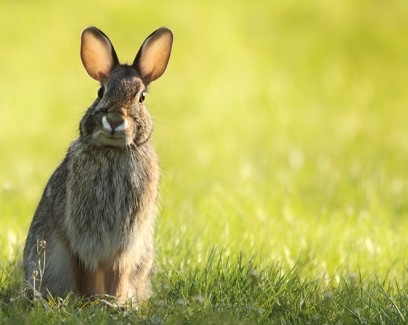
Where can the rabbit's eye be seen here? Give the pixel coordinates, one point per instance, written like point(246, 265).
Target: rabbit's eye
point(100, 92)
point(142, 97)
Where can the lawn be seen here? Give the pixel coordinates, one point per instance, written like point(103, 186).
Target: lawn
point(282, 133)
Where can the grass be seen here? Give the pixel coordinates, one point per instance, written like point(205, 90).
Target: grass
point(281, 130)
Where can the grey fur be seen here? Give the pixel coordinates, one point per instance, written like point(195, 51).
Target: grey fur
point(95, 220)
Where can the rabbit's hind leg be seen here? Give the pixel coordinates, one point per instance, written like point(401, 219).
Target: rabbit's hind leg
point(58, 271)
point(48, 268)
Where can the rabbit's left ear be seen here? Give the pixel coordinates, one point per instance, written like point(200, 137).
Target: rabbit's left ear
point(154, 54)
point(97, 53)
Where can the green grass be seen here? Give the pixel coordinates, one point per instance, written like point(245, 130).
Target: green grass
point(282, 133)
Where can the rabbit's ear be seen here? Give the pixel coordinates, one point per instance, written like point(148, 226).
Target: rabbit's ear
point(97, 53)
point(154, 54)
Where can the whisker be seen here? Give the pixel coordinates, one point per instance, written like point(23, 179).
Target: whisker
point(167, 124)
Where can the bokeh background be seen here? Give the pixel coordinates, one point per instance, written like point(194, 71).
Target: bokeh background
point(281, 126)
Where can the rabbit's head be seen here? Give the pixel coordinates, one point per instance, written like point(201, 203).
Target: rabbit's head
point(118, 117)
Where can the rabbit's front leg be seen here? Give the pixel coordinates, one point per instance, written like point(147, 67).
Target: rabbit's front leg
point(117, 281)
point(86, 281)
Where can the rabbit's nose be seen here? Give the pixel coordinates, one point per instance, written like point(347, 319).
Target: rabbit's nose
point(114, 122)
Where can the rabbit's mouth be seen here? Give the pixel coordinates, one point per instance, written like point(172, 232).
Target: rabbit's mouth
point(115, 139)
point(112, 133)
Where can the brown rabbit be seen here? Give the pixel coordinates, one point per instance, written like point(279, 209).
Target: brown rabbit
point(92, 232)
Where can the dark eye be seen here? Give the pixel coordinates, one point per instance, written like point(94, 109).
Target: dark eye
point(142, 97)
point(100, 92)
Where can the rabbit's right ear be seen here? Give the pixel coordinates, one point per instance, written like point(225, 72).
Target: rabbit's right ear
point(97, 53)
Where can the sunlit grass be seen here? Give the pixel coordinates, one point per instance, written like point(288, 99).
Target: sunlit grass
point(281, 130)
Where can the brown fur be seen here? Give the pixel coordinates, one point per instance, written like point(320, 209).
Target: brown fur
point(96, 216)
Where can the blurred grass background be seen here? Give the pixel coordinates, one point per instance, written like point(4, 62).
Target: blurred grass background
point(281, 126)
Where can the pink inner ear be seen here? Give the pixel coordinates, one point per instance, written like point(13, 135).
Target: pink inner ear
point(154, 55)
point(97, 54)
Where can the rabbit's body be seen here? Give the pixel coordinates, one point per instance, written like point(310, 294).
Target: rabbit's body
point(95, 220)
point(115, 230)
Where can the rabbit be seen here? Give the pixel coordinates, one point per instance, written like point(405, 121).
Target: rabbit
point(92, 232)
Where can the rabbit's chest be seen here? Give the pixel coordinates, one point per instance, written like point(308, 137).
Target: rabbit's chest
point(103, 211)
